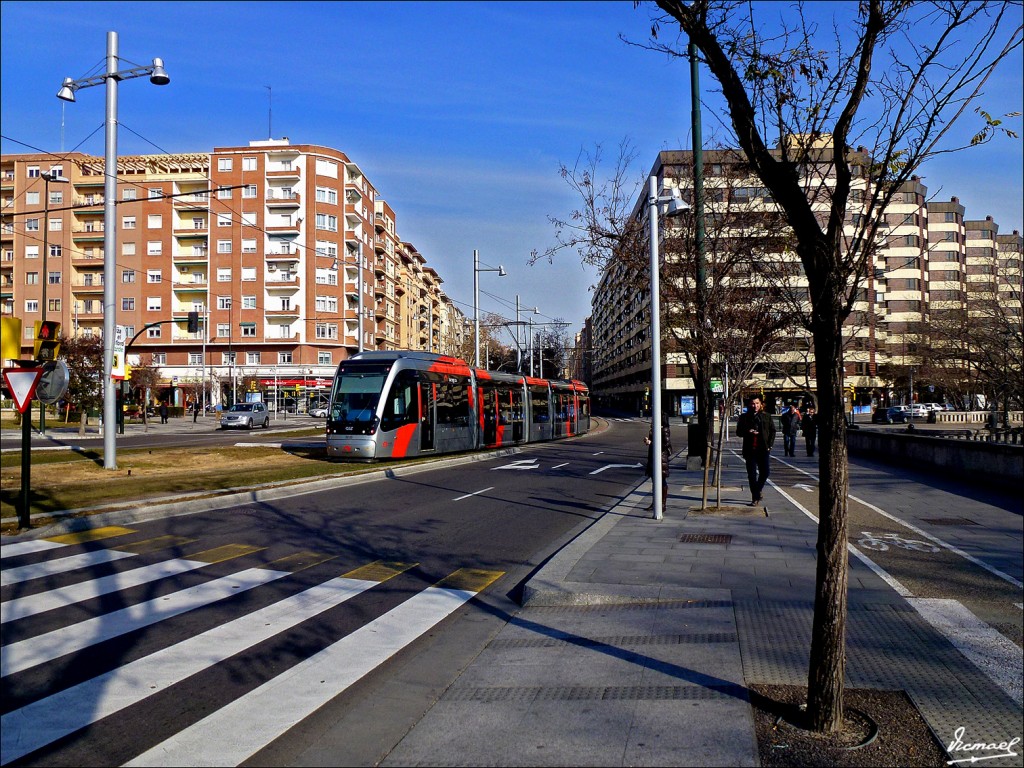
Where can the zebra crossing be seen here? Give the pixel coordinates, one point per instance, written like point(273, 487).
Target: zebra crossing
point(41, 711)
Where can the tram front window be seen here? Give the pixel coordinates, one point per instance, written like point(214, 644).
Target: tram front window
point(354, 403)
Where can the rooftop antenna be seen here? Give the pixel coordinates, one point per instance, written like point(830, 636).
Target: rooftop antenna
point(270, 111)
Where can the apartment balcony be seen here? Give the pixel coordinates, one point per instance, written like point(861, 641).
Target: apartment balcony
point(87, 232)
point(277, 199)
point(284, 254)
point(191, 202)
point(82, 261)
point(353, 195)
point(379, 245)
point(83, 203)
point(191, 286)
point(191, 257)
point(96, 181)
point(285, 173)
point(380, 289)
point(283, 229)
point(87, 288)
point(282, 282)
point(292, 313)
point(378, 222)
point(187, 233)
point(380, 312)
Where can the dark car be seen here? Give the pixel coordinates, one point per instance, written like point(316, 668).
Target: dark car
point(245, 416)
point(894, 415)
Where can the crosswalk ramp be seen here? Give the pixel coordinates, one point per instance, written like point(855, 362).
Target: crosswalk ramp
point(260, 614)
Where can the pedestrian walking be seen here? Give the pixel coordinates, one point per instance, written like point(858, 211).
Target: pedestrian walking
point(163, 412)
point(790, 428)
point(666, 450)
point(758, 432)
point(195, 411)
point(809, 424)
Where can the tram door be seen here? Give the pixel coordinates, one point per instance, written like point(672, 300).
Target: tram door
point(428, 400)
point(490, 415)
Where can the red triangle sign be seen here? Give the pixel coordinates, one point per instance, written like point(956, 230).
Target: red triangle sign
point(21, 383)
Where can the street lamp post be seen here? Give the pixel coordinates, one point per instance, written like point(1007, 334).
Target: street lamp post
point(477, 269)
point(47, 178)
point(157, 76)
point(673, 206)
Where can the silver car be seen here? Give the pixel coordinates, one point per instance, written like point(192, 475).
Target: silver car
point(246, 416)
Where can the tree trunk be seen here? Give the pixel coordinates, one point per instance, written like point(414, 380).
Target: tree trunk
point(828, 639)
point(83, 420)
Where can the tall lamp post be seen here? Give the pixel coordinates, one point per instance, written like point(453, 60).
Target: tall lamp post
point(673, 207)
point(157, 76)
point(47, 178)
point(477, 269)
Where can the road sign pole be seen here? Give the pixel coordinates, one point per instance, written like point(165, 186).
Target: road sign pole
point(26, 467)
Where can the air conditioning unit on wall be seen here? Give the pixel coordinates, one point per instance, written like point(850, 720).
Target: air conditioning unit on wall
point(184, 270)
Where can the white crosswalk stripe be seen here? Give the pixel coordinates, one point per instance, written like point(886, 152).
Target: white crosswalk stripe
point(28, 547)
point(61, 565)
point(32, 651)
point(44, 721)
point(255, 720)
point(30, 605)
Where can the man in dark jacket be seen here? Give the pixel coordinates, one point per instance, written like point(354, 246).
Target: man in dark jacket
point(758, 433)
point(666, 450)
point(810, 426)
point(790, 428)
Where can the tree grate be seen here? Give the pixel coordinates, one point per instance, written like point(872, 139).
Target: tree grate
point(705, 538)
point(947, 520)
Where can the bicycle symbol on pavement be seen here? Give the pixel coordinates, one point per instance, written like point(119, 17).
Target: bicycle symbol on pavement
point(881, 543)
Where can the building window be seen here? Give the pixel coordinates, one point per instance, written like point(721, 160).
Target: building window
point(127, 222)
point(248, 163)
point(227, 358)
point(224, 194)
point(198, 223)
point(31, 306)
point(160, 358)
point(249, 330)
point(326, 304)
point(154, 276)
point(223, 163)
point(127, 249)
point(128, 193)
point(56, 251)
point(154, 248)
point(56, 225)
point(53, 278)
point(128, 304)
point(223, 275)
point(56, 197)
point(284, 358)
point(223, 302)
point(248, 219)
point(248, 274)
point(155, 221)
point(249, 190)
point(325, 221)
point(53, 305)
point(286, 331)
point(248, 246)
point(223, 330)
point(326, 331)
point(128, 276)
point(31, 251)
point(223, 246)
point(323, 358)
point(33, 171)
point(155, 193)
point(223, 219)
point(31, 198)
point(252, 358)
point(153, 332)
point(325, 195)
point(194, 358)
point(248, 302)
point(153, 304)
point(31, 225)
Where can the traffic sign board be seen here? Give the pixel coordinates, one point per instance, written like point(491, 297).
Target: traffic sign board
point(21, 383)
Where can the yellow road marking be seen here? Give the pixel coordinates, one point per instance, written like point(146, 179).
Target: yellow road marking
point(94, 534)
point(152, 545)
point(227, 552)
point(379, 571)
point(470, 579)
point(299, 561)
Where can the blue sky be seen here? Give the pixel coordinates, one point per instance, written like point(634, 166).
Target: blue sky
point(459, 113)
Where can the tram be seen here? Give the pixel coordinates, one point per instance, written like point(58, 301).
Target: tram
point(389, 405)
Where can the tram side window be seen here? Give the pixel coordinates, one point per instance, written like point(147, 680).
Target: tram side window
point(453, 402)
point(539, 404)
point(400, 406)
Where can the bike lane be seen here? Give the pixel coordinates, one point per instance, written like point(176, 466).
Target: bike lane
point(955, 559)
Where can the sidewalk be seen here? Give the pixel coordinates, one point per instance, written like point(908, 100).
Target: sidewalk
point(637, 641)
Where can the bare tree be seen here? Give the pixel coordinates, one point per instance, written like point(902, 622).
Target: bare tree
point(84, 358)
point(797, 107)
point(145, 377)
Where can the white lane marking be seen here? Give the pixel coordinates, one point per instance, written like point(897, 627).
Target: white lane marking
point(42, 722)
point(520, 464)
point(559, 466)
point(610, 466)
point(804, 487)
point(61, 565)
point(30, 605)
point(28, 547)
point(33, 651)
point(989, 651)
point(934, 539)
point(597, 454)
point(238, 730)
point(878, 570)
point(474, 493)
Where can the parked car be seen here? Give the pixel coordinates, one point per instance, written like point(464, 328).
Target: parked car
point(919, 410)
point(934, 406)
point(894, 415)
point(318, 412)
point(245, 416)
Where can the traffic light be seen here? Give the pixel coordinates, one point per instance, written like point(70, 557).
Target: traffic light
point(47, 341)
point(193, 322)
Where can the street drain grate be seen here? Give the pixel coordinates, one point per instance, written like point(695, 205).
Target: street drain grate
point(705, 538)
point(947, 520)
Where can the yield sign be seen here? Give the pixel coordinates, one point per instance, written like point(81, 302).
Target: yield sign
point(21, 382)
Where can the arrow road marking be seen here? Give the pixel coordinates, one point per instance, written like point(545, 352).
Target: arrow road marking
point(521, 464)
point(610, 466)
point(805, 487)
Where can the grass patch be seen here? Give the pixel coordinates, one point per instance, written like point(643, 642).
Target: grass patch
point(63, 480)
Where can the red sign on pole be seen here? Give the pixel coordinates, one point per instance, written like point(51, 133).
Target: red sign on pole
point(21, 383)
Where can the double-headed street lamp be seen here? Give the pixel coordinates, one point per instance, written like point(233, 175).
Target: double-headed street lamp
point(58, 179)
point(477, 269)
point(111, 78)
point(673, 206)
